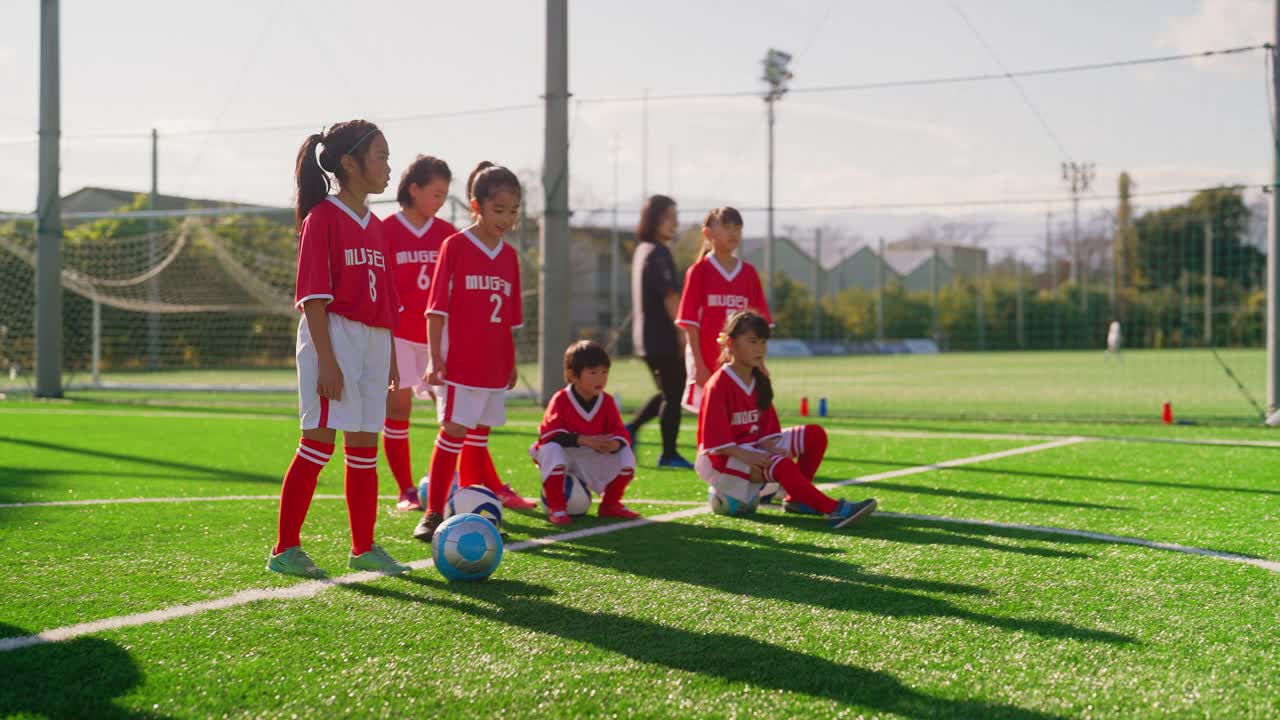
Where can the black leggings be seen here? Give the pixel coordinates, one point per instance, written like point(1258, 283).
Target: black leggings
point(669, 376)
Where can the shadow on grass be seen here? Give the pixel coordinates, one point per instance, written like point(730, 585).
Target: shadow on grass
point(1061, 476)
point(746, 563)
point(72, 679)
point(731, 658)
point(207, 472)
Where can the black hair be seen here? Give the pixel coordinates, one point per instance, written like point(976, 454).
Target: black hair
point(651, 215)
point(488, 179)
point(723, 216)
point(739, 324)
point(421, 172)
point(583, 355)
point(311, 172)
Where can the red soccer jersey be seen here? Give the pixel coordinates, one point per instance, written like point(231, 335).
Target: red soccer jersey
point(565, 415)
point(477, 290)
point(730, 416)
point(342, 258)
point(413, 258)
point(711, 295)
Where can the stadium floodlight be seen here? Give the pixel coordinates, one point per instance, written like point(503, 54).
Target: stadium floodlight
point(776, 74)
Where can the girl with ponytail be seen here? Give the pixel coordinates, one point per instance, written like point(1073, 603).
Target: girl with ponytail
point(741, 445)
point(347, 296)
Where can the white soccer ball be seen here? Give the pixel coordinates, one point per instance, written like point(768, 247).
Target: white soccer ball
point(465, 547)
point(734, 496)
point(477, 500)
point(576, 494)
point(425, 483)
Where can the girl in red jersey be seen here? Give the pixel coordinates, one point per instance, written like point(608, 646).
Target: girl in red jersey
point(473, 308)
point(414, 235)
point(715, 286)
point(740, 443)
point(347, 296)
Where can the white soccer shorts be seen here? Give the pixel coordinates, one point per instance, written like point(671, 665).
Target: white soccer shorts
point(411, 360)
point(471, 407)
point(364, 357)
point(593, 468)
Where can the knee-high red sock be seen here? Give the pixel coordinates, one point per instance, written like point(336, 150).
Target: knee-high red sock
point(475, 463)
point(614, 490)
point(553, 490)
point(362, 495)
point(812, 441)
point(295, 494)
point(395, 442)
point(444, 460)
point(800, 488)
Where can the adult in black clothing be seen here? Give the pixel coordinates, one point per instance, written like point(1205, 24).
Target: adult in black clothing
point(655, 296)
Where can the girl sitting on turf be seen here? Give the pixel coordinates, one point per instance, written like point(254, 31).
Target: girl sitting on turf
point(582, 435)
point(739, 437)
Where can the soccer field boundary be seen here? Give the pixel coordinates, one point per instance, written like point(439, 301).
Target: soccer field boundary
point(311, 588)
point(178, 500)
point(686, 428)
point(943, 465)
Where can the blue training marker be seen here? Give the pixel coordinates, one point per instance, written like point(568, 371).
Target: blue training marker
point(822, 407)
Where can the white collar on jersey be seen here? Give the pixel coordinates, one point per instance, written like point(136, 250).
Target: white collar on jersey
point(364, 221)
point(576, 406)
point(493, 254)
point(748, 389)
point(417, 232)
point(728, 276)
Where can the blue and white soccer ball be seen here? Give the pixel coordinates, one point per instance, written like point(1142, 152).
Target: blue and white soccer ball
point(476, 500)
point(425, 483)
point(734, 496)
point(576, 494)
point(466, 547)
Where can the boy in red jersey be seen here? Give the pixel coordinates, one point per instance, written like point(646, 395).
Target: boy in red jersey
point(739, 437)
point(414, 235)
point(715, 286)
point(347, 295)
point(473, 308)
point(582, 434)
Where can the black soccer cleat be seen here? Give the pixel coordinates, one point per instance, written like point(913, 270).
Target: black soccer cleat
point(427, 526)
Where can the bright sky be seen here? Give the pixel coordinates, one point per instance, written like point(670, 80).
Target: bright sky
point(131, 65)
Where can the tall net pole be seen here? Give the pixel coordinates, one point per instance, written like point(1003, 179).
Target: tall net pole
point(553, 243)
point(49, 214)
point(1273, 237)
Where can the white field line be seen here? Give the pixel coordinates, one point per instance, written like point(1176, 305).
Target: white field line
point(1271, 565)
point(957, 463)
point(240, 498)
point(903, 434)
point(311, 588)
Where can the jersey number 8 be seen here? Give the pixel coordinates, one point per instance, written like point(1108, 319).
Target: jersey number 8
point(373, 286)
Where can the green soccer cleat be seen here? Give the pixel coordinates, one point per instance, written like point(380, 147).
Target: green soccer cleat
point(295, 561)
point(377, 560)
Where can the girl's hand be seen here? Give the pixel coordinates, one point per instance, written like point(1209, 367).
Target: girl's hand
point(435, 370)
point(514, 376)
point(393, 374)
point(756, 459)
point(329, 379)
point(701, 373)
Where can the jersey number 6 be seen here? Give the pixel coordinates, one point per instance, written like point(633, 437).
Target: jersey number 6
point(424, 278)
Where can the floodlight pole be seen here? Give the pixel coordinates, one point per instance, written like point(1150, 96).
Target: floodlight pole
point(49, 214)
point(553, 242)
point(1273, 237)
point(776, 75)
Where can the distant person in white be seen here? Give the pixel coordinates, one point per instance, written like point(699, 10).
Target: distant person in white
point(1114, 340)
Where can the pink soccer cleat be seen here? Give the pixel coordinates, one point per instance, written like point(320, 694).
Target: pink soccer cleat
point(512, 499)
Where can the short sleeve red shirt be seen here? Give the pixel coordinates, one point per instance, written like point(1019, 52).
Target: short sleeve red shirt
point(414, 252)
point(711, 294)
point(477, 291)
point(343, 258)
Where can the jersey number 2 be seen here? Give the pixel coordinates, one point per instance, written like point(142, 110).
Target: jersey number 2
point(497, 307)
